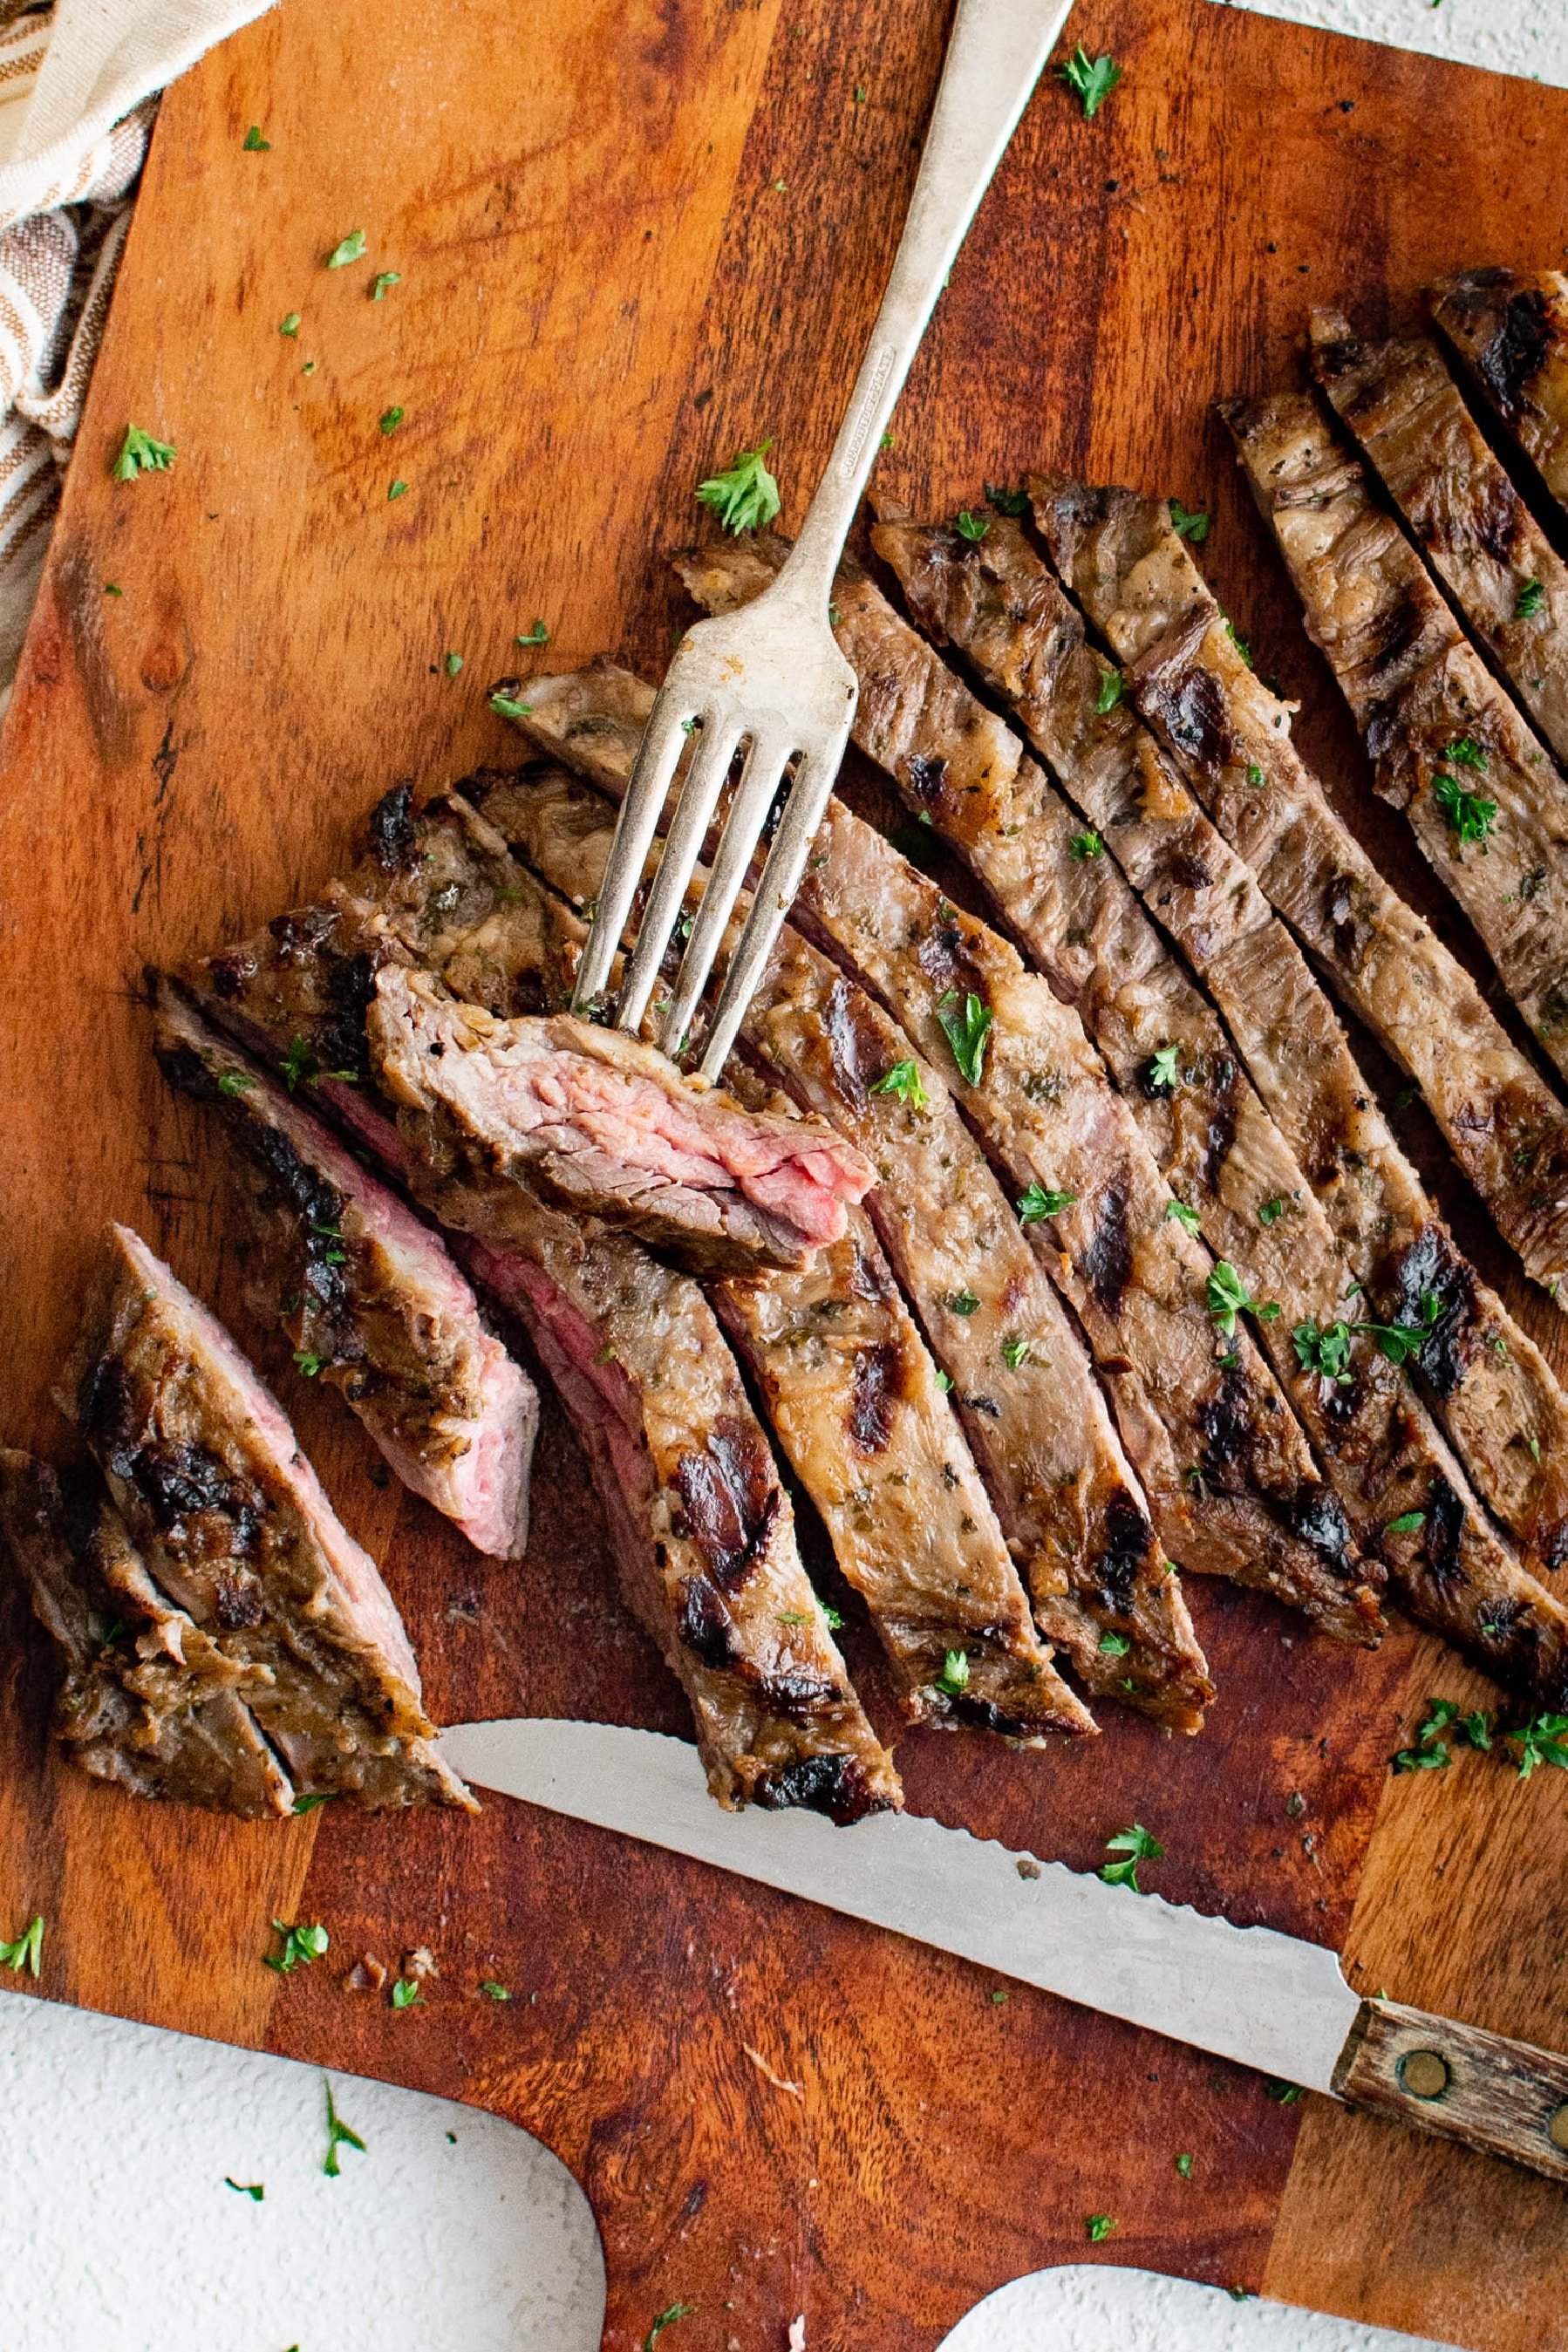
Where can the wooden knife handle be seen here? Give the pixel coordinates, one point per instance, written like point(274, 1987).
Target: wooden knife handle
point(1492, 2093)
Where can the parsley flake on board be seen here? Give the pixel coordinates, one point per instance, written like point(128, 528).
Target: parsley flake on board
point(391, 418)
point(312, 1798)
point(1229, 1296)
point(1542, 1740)
point(1529, 601)
point(396, 490)
point(339, 2134)
point(1098, 2226)
point(290, 325)
point(406, 1993)
point(904, 1081)
point(1109, 693)
point(1283, 2094)
point(972, 527)
point(1470, 815)
point(1087, 845)
point(348, 249)
point(1430, 1753)
point(27, 1949)
point(966, 1031)
point(1014, 503)
point(298, 1947)
point(955, 1676)
point(747, 497)
point(1135, 1845)
point(254, 143)
point(1195, 527)
point(1042, 1201)
point(452, 664)
point(255, 2190)
point(141, 454)
point(1183, 1215)
point(1091, 79)
point(384, 280)
point(538, 636)
point(666, 2319)
point(1162, 1075)
point(492, 1990)
point(1184, 2167)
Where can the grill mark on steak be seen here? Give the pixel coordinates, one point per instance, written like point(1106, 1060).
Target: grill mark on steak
point(1108, 1257)
point(877, 1378)
point(1511, 333)
point(730, 1495)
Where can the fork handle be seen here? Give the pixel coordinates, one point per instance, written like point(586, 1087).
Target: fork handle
point(995, 55)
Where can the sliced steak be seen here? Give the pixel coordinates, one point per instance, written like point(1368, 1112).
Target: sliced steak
point(148, 1701)
point(606, 1125)
point(995, 600)
point(1511, 332)
point(1405, 411)
point(234, 1527)
point(1488, 805)
point(368, 1295)
point(1067, 1501)
point(1029, 1081)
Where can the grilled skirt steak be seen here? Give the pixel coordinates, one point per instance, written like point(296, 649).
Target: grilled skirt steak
point(608, 1125)
point(996, 601)
point(1195, 1399)
point(234, 1527)
point(148, 1700)
point(1488, 805)
point(1405, 410)
point(1066, 1500)
point(1511, 332)
point(368, 1295)
point(1231, 735)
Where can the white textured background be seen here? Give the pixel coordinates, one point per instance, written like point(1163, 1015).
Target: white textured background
point(455, 2232)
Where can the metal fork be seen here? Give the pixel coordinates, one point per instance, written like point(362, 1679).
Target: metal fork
point(771, 676)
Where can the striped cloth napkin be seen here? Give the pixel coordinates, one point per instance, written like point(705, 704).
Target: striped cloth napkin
point(78, 84)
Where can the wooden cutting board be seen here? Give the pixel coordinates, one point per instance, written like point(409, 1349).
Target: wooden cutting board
point(632, 236)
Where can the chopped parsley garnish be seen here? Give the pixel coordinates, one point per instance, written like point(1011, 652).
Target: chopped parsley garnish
point(1135, 1845)
point(1430, 1753)
point(235, 1081)
point(944, 1381)
point(1091, 79)
point(290, 325)
point(1099, 2226)
point(312, 1798)
point(255, 2190)
point(452, 664)
point(1007, 502)
point(1284, 2095)
point(538, 636)
point(972, 527)
point(1087, 845)
point(298, 1947)
point(1239, 642)
point(1164, 1075)
point(492, 1990)
point(955, 1675)
point(1255, 778)
point(1183, 1214)
point(396, 490)
point(747, 497)
point(1114, 1645)
point(301, 1067)
point(1400, 1341)
point(962, 1302)
point(406, 1993)
point(1327, 1354)
point(1184, 2167)
point(903, 1081)
point(1195, 527)
point(1109, 692)
point(350, 249)
point(339, 2134)
point(666, 2319)
point(1542, 1740)
point(1408, 1523)
point(1529, 601)
point(27, 1949)
point(1015, 1352)
point(384, 279)
point(1270, 1212)
point(1470, 815)
point(139, 454)
point(1042, 1201)
point(509, 708)
point(832, 1618)
point(1466, 753)
point(966, 1031)
point(391, 418)
point(110, 590)
point(254, 142)
point(1229, 1296)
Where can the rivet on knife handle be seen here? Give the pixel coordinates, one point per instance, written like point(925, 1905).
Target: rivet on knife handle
point(1492, 2093)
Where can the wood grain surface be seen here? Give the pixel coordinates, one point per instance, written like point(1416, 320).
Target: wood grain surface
point(632, 235)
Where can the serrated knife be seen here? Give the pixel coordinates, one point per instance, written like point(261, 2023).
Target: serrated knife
point(1250, 1994)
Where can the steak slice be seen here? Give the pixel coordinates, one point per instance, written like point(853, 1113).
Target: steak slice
point(1503, 1122)
point(1405, 411)
point(1487, 804)
point(1511, 332)
point(996, 601)
point(233, 1524)
point(148, 1701)
point(1194, 1397)
point(368, 1295)
point(606, 1125)
point(1067, 1503)
point(1493, 1390)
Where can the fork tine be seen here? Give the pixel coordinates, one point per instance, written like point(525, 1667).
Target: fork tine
point(737, 846)
point(658, 756)
point(683, 846)
point(772, 899)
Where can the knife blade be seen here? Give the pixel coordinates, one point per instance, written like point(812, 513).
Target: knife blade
point(1265, 2000)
